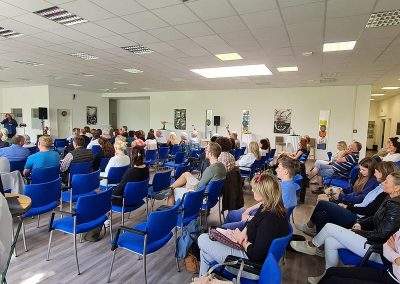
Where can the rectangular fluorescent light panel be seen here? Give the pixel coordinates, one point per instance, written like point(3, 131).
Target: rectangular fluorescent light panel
point(372, 99)
point(6, 33)
point(29, 63)
point(137, 49)
point(288, 69)
point(377, 95)
point(61, 16)
point(233, 71)
point(384, 19)
point(339, 46)
point(121, 83)
point(228, 56)
point(390, 88)
point(84, 56)
point(133, 70)
point(75, 85)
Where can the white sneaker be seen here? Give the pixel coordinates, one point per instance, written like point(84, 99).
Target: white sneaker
point(303, 247)
point(305, 229)
point(315, 279)
point(107, 223)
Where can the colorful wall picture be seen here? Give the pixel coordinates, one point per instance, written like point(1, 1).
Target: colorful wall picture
point(282, 121)
point(208, 123)
point(91, 115)
point(323, 123)
point(398, 128)
point(246, 121)
point(180, 119)
point(371, 129)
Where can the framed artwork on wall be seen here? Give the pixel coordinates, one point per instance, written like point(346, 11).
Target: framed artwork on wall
point(180, 119)
point(91, 115)
point(282, 121)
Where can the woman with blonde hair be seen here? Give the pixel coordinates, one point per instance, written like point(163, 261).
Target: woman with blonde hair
point(173, 139)
point(3, 138)
point(268, 223)
point(253, 154)
point(341, 147)
point(119, 159)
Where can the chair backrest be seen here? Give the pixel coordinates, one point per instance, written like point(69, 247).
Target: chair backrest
point(161, 180)
point(304, 157)
point(160, 223)
point(270, 271)
point(96, 149)
point(80, 168)
point(85, 183)
point(33, 150)
point(163, 153)
point(214, 191)
point(289, 212)
point(151, 155)
point(103, 164)
point(192, 202)
point(354, 174)
point(92, 206)
point(115, 174)
point(42, 175)
point(135, 192)
point(179, 157)
point(175, 149)
point(298, 179)
point(60, 143)
point(278, 246)
point(329, 154)
point(398, 164)
point(17, 165)
point(272, 153)
point(43, 194)
point(179, 170)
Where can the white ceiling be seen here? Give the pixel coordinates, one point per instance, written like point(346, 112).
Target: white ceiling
point(187, 35)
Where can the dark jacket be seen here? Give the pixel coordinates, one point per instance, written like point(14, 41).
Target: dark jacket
point(384, 223)
point(233, 191)
point(371, 208)
point(358, 197)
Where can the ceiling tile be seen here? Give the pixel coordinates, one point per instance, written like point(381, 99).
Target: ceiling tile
point(51, 37)
point(30, 5)
point(93, 30)
point(344, 29)
point(306, 33)
point(211, 9)
point(141, 37)
point(243, 7)
point(118, 25)
point(118, 40)
point(303, 13)
point(19, 27)
point(387, 5)
point(344, 8)
point(175, 15)
point(263, 19)
point(146, 20)
point(166, 34)
point(289, 3)
point(194, 29)
point(189, 47)
point(226, 25)
point(87, 10)
point(120, 7)
point(8, 10)
point(214, 44)
point(153, 4)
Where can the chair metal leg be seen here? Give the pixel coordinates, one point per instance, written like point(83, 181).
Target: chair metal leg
point(14, 240)
point(76, 255)
point(23, 236)
point(111, 267)
point(111, 233)
point(81, 238)
point(49, 246)
point(147, 206)
point(123, 218)
point(144, 267)
point(38, 221)
point(176, 241)
point(219, 210)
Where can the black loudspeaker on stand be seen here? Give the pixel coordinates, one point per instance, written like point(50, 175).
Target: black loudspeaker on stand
point(42, 116)
point(217, 122)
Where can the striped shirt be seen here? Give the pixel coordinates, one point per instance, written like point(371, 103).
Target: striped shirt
point(343, 169)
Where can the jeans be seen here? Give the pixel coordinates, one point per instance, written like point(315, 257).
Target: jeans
point(213, 251)
point(329, 212)
point(326, 171)
point(234, 219)
point(321, 164)
point(335, 237)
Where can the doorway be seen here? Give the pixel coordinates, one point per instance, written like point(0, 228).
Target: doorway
point(64, 123)
point(385, 124)
point(113, 113)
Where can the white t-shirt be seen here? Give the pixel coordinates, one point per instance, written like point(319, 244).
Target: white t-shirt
point(263, 152)
point(246, 160)
point(392, 157)
point(151, 144)
point(92, 143)
point(116, 161)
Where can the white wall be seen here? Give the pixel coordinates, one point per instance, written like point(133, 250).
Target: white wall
point(25, 98)
point(349, 107)
point(61, 98)
point(134, 113)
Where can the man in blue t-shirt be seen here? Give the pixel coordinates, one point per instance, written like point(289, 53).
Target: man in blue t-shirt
point(45, 158)
point(10, 124)
point(287, 168)
point(15, 152)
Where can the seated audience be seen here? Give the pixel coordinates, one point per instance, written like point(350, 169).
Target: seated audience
point(173, 139)
point(151, 142)
point(194, 137)
point(87, 132)
point(3, 138)
point(252, 155)
point(75, 132)
point(119, 159)
point(341, 147)
point(124, 131)
point(370, 275)
point(45, 158)
point(139, 141)
point(265, 147)
point(107, 151)
point(131, 137)
point(15, 152)
point(161, 139)
point(268, 223)
point(234, 136)
point(187, 182)
point(79, 155)
point(346, 215)
point(95, 139)
point(393, 150)
point(302, 152)
point(28, 144)
point(139, 172)
point(374, 229)
point(226, 158)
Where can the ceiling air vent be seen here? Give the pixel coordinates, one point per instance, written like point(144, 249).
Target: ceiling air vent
point(8, 33)
point(61, 16)
point(137, 49)
point(383, 19)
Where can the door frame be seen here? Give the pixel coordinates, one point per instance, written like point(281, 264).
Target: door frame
point(70, 121)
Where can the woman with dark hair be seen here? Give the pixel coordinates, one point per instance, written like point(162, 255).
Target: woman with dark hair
point(139, 172)
point(301, 152)
point(151, 142)
point(265, 147)
point(107, 151)
point(226, 157)
point(139, 140)
point(131, 137)
point(393, 149)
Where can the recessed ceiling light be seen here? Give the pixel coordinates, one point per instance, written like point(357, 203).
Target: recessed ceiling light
point(146, 89)
point(287, 69)
point(87, 75)
point(383, 19)
point(339, 46)
point(84, 56)
point(377, 95)
point(229, 56)
point(24, 79)
point(61, 16)
point(121, 83)
point(233, 71)
point(133, 70)
point(9, 33)
point(137, 49)
point(2, 68)
point(372, 99)
point(75, 85)
point(29, 63)
point(307, 53)
point(390, 88)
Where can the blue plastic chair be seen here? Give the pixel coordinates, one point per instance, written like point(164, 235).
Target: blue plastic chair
point(60, 145)
point(79, 168)
point(329, 154)
point(191, 204)
point(179, 159)
point(42, 175)
point(271, 155)
point(159, 189)
point(103, 164)
point(45, 198)
point(347, 257)
point(398, 164)
point(96, 149)
point(147, 237)
point(342, 182)
point(132, 198)
point(175, 149)
point(179, 170)
point(17, 165)
point(238, 152)
point(90, 212)
point(250, 172)
point(150, 157)
point(33, 150)
point(163, 153)
point(82, 184)
point(115, 175)
point(213, 196)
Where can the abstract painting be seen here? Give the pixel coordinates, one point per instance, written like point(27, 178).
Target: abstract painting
point(282, 121)
point(180, 119)
point(91, 115)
